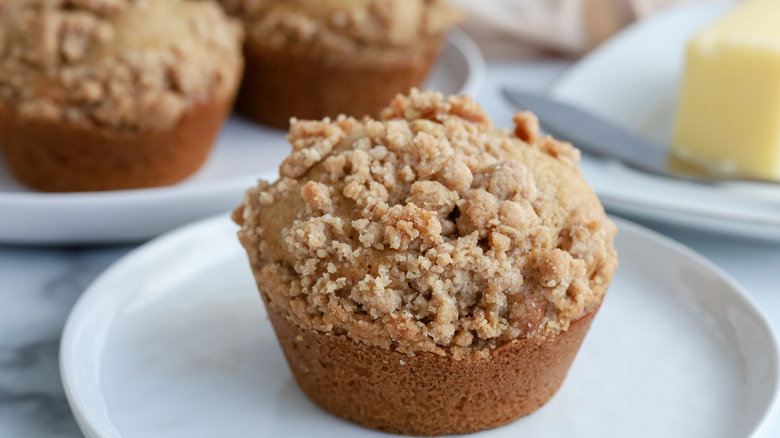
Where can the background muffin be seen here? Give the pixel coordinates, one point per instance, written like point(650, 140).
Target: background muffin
point(426, 273)
point(113, 94)
point(315, 58)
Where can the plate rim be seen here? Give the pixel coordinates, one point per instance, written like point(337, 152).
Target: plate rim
point(68, 362)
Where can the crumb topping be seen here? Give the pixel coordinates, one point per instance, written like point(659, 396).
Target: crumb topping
point(428, 230)
point(128, 64)
point(346, 29)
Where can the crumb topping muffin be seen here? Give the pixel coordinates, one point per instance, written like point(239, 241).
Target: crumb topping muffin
point(312, 59)
point(428, 230)
point(135, 65)
point(113, 94)
point(352, 30)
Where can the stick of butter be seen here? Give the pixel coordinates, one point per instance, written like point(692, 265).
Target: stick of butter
point(728, 118)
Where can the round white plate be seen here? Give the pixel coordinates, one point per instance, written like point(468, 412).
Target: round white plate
point(173, 341)
point(632, 80)
point(244, 152)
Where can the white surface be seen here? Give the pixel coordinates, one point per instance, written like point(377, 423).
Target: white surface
point(172, 341)
point(633, 80)
point(244, 152)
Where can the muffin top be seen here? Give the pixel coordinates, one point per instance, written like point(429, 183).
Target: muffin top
point(124, 64)
point(354, 30)
point(428, 230)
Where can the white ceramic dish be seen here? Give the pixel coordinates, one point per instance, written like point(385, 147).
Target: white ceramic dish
point(173, 341)
point(244, 152)
point(633, 80)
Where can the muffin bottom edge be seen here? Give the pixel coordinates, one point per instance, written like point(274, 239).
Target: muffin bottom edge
point(428, 394)
point(58, 156)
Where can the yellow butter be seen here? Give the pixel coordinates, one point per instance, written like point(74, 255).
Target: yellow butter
point(728, 118)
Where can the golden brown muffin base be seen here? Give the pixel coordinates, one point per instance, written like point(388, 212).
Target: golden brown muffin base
point(281, 83)
point(428, 394)
point(57, 156)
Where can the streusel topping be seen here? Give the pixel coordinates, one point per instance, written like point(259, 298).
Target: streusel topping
point(128, 64)
point(350, 30)
point(428, 230)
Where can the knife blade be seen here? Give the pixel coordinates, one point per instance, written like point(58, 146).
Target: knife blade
point(593, 134)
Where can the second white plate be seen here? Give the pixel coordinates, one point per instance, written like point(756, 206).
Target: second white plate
point(632, 80)
point(172, 341)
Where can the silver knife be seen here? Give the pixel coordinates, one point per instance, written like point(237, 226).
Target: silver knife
point(600, 137)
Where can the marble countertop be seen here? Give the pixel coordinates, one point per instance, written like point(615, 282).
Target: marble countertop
point(38, 287)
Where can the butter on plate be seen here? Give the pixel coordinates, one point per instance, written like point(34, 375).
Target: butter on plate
point(728, 119)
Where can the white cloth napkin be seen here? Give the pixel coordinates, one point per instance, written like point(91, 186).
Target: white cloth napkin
point(511, 29)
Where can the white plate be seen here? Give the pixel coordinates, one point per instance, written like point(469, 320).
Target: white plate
point(633, 80)
point(173, 341)
point(243, 152)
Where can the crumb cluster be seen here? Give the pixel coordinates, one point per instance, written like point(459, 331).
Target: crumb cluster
point(352, 30)
point(428, 230)
point(127, 64)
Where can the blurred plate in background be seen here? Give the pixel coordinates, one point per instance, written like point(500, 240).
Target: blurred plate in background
point(632, 80)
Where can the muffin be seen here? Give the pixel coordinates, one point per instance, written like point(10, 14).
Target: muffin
point(113, 94)
point(426, 273)
point(315, 58)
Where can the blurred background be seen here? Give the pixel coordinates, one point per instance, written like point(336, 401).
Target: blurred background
point(522, 29)
point(528, 45)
